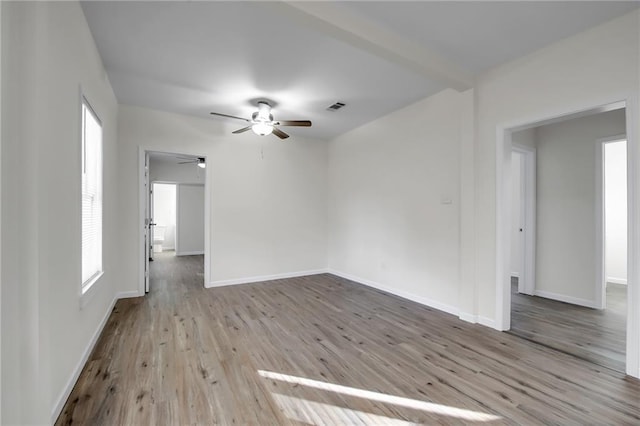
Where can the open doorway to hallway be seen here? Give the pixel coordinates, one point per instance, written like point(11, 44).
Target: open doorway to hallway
point(576, 300)
point(175, 212)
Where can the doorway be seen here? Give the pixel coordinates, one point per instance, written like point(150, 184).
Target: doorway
point(174, 211)
point(566, 316)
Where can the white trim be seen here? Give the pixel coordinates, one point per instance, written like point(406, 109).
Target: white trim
point(600, 287)
point(465, 316)
point(189, 253)
point(1, 143)
point(176, 234)
point(261, 278)
point(566, 299)
point(127, 294)
point(487, 322)
point(405, 295)
point(142, 201)
point(64, 395)
point(633, 234)
point(475, 319)
point(616, 280)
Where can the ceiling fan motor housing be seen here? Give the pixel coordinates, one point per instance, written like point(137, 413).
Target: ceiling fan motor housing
point(264, 113)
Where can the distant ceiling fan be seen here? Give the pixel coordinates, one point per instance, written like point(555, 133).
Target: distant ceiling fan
point(199, 161)
point(262, 122)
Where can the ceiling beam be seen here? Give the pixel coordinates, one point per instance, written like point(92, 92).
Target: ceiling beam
point(347, 26)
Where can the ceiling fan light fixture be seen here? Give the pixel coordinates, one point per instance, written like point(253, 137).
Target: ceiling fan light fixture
point(262, 129)
point(202, 164)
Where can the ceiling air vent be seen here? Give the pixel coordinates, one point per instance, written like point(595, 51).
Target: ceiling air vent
point(335, 106)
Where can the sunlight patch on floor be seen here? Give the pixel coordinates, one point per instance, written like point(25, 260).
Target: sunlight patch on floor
point(318, 413)
point(429, 407)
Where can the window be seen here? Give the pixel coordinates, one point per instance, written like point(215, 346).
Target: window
point(91, 197)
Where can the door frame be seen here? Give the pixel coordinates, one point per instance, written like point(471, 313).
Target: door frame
point(142, 199)
point(528, 194)
point(503, 210)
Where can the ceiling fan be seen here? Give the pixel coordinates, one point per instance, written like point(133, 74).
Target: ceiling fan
point(199, 161)
point(262, 122)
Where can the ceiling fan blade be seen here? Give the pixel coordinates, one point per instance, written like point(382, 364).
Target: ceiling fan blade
point(230, 116)
point(298, 123)
point(279, 133)
point(187, 162)
point(244, 129)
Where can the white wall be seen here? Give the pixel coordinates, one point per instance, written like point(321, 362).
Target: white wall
point(168, 170)
point(48, 54)
point(615, 169)
point(394, 202)
point(267, 196)
point(164, 214)
point(566, 205)
point(590, 69)
point(190, 219)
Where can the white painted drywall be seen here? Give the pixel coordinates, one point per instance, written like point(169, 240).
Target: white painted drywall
point(267, 196)
point(566, 203)
point(190, 219)
point(589, 69)
point(48, 55)
point(168, 170)
point(615, 184)
point(164, 214)
point(526, 137)
point(394, 212)
point(517, 237)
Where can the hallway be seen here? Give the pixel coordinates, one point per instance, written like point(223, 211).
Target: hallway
point(595, 335)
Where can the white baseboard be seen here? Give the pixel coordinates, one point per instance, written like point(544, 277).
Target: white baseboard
point(256, 279)
point(189, 253)
point(616, 280)
point(128, 294)
point(464, 316)
point(405, 295)
point(62, 399)
point(487, 322)
point(476, 319)
point(566, 299)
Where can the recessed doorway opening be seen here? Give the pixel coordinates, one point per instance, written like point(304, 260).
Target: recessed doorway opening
point(577, 301)
point(174, 215)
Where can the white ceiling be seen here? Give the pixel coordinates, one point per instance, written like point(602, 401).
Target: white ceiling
point(197, 57)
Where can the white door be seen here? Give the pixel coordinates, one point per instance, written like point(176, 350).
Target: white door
point(148, 228)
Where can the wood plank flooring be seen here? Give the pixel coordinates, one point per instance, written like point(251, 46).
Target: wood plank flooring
point(596, 335)
point(324, 350)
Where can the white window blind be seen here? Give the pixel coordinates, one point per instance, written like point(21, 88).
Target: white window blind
point(91, 196)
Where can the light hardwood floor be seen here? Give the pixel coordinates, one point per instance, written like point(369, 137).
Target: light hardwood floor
point(596, 335)
point(324, 350)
